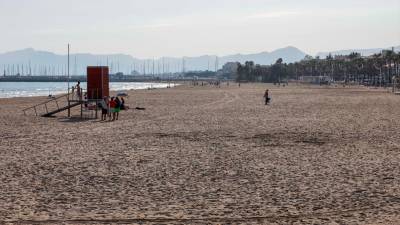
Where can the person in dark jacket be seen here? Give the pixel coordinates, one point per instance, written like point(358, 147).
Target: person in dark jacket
point(123, 103)
point(267, 98)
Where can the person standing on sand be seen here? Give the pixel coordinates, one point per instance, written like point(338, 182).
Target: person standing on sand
point(267, 98)
point(117, 107)
point(78, 90)
point(123, 106)
point(104, 108)
point(112, 105)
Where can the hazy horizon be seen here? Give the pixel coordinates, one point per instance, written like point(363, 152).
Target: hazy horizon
point(176, 28)
point(195, 56)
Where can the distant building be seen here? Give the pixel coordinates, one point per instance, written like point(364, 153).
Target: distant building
point(200, 74)
point(229, 70)
point(135, 73)
point(118, 76)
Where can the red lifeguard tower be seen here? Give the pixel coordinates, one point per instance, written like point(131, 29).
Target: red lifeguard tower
point(97, 82)
point(88, 100)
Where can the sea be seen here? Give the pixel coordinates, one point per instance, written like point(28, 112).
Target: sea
point(31, 89)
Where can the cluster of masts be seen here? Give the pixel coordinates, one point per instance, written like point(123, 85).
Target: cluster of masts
point(161, 67)
point(28, 70)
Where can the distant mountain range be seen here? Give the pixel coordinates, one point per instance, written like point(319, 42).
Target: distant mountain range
point(47, 62)
point(363, 52)
point(42, 60)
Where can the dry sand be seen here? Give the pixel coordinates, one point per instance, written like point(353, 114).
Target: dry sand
point(203, 155)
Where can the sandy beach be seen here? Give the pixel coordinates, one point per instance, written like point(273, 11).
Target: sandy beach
point(206, 155)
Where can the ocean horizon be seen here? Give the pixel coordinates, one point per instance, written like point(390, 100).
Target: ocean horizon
point(35, 89)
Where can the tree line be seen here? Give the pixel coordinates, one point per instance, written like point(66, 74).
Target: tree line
point(378, 69)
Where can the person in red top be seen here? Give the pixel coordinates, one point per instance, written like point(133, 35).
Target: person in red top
point(113, 105)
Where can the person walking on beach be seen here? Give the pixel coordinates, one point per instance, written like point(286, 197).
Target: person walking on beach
point(267, 98)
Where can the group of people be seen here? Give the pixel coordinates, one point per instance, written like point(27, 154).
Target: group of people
point(110, 107)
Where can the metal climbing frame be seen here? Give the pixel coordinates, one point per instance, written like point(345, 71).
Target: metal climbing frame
point(89, 107)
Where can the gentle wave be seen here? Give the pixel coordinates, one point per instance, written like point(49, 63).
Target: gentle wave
point(33, 89)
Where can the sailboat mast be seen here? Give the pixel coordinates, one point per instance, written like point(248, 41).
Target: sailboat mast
point(75, 68)
point(163, 66)
point(208, 66)
point(183, 65)
point(68, 67)
point(153, 67)
point(69, 111)
point(216, 63)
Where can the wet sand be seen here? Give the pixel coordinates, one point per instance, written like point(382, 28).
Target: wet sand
point(205, 155)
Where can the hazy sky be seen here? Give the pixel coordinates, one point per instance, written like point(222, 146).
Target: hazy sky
point(154, 28)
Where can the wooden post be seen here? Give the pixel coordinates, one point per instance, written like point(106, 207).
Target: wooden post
point(97, 104)
point(98, 96)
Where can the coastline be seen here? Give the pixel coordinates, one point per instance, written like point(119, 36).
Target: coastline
point(41, 89)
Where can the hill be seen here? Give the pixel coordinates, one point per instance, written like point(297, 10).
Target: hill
point(126, 63)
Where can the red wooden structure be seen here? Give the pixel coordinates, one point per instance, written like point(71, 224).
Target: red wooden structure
point(97, 82)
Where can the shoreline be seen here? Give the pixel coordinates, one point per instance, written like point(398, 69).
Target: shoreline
point(184, 84)
point(121, 87)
